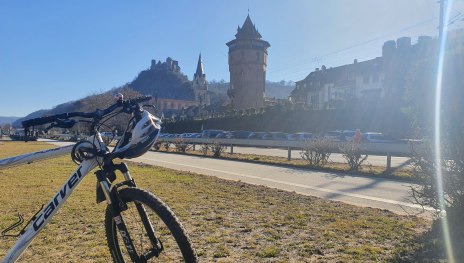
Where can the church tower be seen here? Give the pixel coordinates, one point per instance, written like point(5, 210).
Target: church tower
point(247, 67)
point(200, 85)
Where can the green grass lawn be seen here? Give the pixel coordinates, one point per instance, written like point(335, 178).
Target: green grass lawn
point(227, 221)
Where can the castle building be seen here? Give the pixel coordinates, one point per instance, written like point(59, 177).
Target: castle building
point(247, 67)
point(200, 85)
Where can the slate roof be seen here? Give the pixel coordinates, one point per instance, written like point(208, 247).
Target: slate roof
point(248, 30)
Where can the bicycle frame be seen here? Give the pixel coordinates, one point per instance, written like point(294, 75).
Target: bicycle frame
point(43, 217)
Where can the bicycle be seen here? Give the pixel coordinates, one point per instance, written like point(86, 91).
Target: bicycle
point(138, 225)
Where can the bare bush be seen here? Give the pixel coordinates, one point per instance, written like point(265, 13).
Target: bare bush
point(166, 145)
point(445, 194)
point(217, 149)
point(317, 152)
point(352, 153)
point(181, 145)
point(157, 145)
point(204, 149)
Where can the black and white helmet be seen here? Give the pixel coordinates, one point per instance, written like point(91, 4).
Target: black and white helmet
point(144, 135)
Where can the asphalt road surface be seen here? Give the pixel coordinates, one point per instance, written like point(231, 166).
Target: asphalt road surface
point(358, 190)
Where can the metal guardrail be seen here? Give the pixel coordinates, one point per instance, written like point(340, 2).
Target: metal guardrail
point(388, 149)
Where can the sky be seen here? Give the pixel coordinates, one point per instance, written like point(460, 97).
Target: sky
point(53, 51)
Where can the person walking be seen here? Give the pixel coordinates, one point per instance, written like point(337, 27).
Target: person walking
point(357, 136)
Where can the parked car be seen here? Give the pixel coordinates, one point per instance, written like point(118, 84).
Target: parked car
point(376, 137)
point(258, 135)
point(340, 135)
point(347, 135)
point(196, 135)
point(333, 135)
point(281, 136)
point(240, 134)
point(223, 135)
point(210, 133)
point(300, 136)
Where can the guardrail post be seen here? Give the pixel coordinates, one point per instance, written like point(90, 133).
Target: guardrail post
point(389, 160)
point(231, 149)
point(289, 155)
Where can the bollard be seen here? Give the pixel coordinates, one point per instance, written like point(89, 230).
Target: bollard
point(289, 155)
point(193, 147)
point(231, 149)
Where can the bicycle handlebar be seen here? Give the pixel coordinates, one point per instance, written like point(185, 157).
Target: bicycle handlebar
point(96, 114)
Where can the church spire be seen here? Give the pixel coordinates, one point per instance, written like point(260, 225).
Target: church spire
point(199, 71)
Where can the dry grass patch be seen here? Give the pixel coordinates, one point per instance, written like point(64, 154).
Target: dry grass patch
point(227, 221)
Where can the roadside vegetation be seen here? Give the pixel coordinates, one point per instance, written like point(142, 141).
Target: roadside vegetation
point(314, 156)
point(227, 221)
point(440, 169)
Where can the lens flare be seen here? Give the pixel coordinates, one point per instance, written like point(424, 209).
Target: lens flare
point(438, 140)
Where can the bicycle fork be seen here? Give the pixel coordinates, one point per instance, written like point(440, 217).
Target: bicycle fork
point(117, 206)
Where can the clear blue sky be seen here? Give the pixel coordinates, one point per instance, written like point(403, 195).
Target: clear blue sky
point(57, 51)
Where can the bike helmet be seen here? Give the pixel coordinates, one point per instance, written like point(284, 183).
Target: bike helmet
point(142, 137)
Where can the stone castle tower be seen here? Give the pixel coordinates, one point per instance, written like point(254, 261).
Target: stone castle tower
point(247, 67)
point(200, 85)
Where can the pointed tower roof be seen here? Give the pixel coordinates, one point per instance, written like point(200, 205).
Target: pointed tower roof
point(248, 30)
point(199, 71)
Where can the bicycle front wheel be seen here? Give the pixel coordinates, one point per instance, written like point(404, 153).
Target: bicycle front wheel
point(174, 242)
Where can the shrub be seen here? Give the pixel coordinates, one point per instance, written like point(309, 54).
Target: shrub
point(352, 153)
point(317, 152)
point(451, 167)
point(166, 145)
point(204, 149)
point(181, 145)
point(217, 149)
point(157, 145)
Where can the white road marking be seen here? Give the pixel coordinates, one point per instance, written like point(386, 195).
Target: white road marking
point(371, 198)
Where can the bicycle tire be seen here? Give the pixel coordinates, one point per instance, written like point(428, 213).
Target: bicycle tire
point(176, 244)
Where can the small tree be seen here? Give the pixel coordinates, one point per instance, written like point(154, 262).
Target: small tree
point(352, 153)
point(317, 152)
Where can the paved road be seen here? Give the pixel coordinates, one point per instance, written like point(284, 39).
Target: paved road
point(358, 190)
